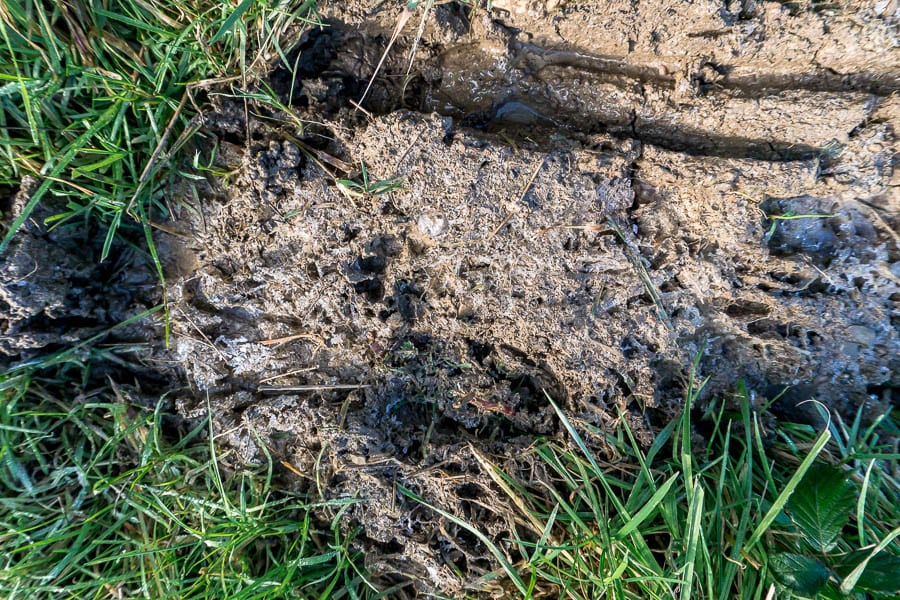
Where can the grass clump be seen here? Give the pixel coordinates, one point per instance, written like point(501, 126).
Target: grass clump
point(96, 503)
point(97, 98)
point(740, 513)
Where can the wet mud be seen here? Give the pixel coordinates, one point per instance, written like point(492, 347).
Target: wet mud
point(54, 290)
point(545, 200)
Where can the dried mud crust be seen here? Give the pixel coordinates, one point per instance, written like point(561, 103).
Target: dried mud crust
point(588, 199)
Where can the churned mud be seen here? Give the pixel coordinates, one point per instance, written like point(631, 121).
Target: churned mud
point(544, 200)
point(55, 292)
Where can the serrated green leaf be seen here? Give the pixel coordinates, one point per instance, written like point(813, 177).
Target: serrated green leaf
point(830, 592)
point(821, 506)
point(790, 487)
point(870, 570)
point(803, 575)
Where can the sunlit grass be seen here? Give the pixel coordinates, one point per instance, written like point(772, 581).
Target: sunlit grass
point(98, 98)
point(97, 503)
point(734, 514)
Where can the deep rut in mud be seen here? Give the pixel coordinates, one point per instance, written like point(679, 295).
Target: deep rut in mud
point(563, 201)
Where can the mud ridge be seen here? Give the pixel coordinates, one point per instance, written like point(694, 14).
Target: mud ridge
point(525, 90)
point(727, 77)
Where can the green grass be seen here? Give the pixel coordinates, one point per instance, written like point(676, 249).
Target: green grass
point(98, 106)
point(97, 503)
point(98, 98)
point(742, 513)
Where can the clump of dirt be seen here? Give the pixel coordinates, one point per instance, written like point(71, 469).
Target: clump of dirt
point(54, 292)
point(564, 201)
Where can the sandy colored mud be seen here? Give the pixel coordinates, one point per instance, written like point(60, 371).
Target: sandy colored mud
point(584, 197)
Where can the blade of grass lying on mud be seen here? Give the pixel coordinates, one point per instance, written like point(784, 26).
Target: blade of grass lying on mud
point(634, 258)
point(69, 354)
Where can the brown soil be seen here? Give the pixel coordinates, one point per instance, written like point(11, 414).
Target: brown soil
point(586, 202)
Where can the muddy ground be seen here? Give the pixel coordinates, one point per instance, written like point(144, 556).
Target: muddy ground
point(565, 199)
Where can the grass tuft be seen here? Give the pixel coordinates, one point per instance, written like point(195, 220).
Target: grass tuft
point(97, 99)
point(96, 503)
point(743, 513)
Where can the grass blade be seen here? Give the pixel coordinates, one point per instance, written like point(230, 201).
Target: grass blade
point(649, 507)
point(785, 494)
point(231, 20)
point(694, 527)
point(501, 558)
point(851, 580)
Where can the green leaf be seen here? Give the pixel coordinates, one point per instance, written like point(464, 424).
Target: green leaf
point(231, 20)
point(821, 506)
point(790, 487)
point(803, 575)
point(881, 575)
point(871, 569)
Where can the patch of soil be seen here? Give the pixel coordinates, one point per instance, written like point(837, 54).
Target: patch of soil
point(582, 200)
point(54, 291)
point(559, 200)
point(579, 201)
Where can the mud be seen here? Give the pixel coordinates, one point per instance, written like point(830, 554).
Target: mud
point(55, 292)
point(565, 200)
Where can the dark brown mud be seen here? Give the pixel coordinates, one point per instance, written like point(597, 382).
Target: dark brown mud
point(55, 292)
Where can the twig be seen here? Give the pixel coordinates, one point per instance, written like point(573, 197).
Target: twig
point(401, 22)
point(142, 181)
point(408, 150)
point(288, 374)
point(170, 230)
point(358, 107)
point(204, 336)
point(521, 197)
point(280, 389)
point(635, 260)
point(595, 227)
point(289, 338)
